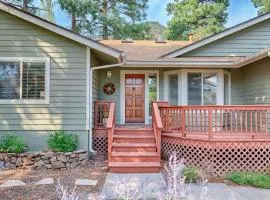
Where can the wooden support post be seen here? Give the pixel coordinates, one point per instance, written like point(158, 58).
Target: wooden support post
point(210, 124)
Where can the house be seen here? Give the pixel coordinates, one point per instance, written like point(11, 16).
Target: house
point(135, 100)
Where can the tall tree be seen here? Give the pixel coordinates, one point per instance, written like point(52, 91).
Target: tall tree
point(105, 18)
point(262, 5)
point(199, 17)
point(78, 10)
point(25, 5)
point(48, 9)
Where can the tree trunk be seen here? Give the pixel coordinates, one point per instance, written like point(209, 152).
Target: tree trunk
point(105, 34)
point(73, 23)
point(25, 5)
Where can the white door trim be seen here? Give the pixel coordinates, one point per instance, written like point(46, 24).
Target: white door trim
point(147, 119)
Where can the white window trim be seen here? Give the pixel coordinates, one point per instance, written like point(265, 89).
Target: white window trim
point(46, 60)
point(147, 119)
point(183, 84)
point(230, 84)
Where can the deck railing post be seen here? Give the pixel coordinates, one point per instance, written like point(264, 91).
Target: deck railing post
point(183, 122)
point(210, 123)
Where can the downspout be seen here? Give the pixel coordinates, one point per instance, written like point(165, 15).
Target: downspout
point(90, 71)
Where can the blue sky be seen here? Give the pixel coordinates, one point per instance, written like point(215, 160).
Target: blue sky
point(239, 11)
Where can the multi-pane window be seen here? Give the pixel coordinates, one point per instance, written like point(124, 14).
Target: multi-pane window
point(9, 80)
point(202, 88)
point(23, 80)
point(173, 89)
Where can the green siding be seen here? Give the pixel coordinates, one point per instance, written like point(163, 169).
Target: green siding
point(237, 87)
point(242, 43)
point(67, 108)
point(256, 80)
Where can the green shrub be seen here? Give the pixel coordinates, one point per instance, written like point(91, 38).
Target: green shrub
point(250, 178)
point(191, 174)
point(12, 144)
point(60, 141)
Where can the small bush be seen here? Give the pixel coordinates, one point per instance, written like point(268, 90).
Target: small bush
point(250, 178)
point(12, 144)
point(191, 174)
point(60, 141)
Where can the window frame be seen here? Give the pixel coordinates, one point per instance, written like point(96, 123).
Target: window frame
point(183, 84)
point(21, 60)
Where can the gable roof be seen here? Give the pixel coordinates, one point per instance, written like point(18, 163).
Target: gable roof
point(217, 36)
point(145, 50)
point(60, 30)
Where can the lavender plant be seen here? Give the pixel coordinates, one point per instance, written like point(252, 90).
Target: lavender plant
point(2, 165)
point(175, 188)
point(64, 193)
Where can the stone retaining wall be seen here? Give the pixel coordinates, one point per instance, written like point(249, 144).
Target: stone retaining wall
point(44, 160)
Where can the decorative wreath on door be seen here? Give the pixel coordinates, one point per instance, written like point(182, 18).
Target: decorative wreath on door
point(109, 88)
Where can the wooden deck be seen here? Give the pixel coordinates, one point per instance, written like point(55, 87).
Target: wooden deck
point(223, 135)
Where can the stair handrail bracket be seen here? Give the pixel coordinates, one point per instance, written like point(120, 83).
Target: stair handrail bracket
point(157, 126)
point(110, 127)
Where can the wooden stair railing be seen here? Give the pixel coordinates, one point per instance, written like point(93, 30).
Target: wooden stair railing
point(157, 127)
point(110, 128)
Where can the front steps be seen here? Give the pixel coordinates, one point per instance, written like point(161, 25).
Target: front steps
point(134, 151)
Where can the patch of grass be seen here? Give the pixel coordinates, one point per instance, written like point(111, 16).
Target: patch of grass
point(12, 144)
point(61, 141)
point(250, 178)
point(191, 174)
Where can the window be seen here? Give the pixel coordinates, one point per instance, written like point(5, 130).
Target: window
point(9, 80)
point(202, 88)
point(24, 81)
point(173, 89)
point(152, 84)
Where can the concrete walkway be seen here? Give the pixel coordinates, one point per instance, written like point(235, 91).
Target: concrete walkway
point(152, 184)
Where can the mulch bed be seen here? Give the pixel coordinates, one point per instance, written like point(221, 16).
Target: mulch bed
point(93, 170)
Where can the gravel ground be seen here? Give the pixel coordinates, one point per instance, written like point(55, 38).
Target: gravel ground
point(97, 171)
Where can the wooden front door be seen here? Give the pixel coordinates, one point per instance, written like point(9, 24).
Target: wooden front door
point(134, 98)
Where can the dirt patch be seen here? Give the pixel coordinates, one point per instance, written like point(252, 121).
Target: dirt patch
point(31, 191)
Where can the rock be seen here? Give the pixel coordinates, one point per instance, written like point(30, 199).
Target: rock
point(86, 182)
point(62, 158)
point(12, 183)
point(83, 156)
point(48, 166)
point(49, 154)
point(73, 159)
point(6, 158)
point(53, 159)
point(58, 165)
point(73, 155)
point(45, 181)
point(1, 157)
point(39, 164)
point(10, 166)
point(46, 161)
point(19, 162)
point(83, 163)
point(13, 160)
point(74, 164)
point(22, 155)
point(67, 153)
point(35, 154)
point(79, 151)
point(67, 164)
